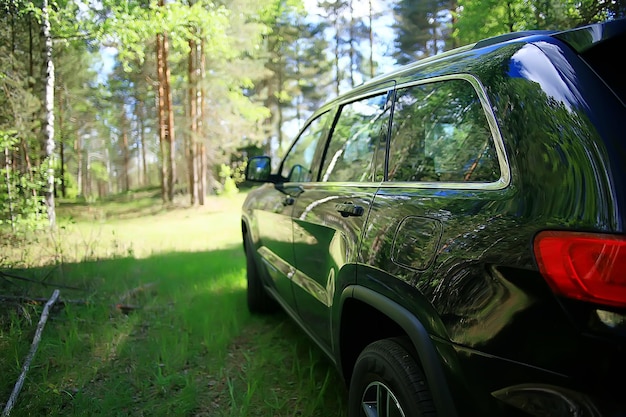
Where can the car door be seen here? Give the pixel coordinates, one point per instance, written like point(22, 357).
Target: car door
point(274, 212)
point(329, 214)
point(433, 221)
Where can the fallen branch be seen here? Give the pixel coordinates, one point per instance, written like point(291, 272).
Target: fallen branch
point(31, 354)
point(6, 275)
point(124, 308)
point(37, 300)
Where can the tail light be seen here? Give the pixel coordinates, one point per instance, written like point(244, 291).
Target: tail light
point(584, 266)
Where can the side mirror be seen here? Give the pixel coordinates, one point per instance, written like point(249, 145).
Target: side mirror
point(259, 169)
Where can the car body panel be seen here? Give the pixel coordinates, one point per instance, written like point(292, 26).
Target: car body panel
point(273, 241)
point(325, 243)
point(450, 264)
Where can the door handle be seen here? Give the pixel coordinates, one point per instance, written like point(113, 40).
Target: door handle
point(349, 209)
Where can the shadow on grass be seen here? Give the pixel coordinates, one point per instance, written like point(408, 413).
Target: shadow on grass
point(185, 344)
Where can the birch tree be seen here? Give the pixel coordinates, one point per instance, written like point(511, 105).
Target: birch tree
point(49, 111)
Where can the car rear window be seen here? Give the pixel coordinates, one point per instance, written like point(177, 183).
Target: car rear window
point(440, 134)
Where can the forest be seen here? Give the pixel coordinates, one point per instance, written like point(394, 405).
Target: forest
point(102, 97)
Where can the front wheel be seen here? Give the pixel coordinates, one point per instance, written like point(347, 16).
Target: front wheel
point(387, 382)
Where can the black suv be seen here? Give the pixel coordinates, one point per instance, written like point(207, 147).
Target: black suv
point(452, 235)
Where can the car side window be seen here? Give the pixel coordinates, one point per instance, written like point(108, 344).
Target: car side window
point(440, 133)
point(297, 165)
point(360, 129)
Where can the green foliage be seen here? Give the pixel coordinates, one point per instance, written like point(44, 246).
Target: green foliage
point(267, 67)
point(239, 172)
point(229, 177)
point(8, 139)
point(21, 207)
point(71, 186)
point(421, 28)
point(128, 25)
point(478, 19)
point(99, 171)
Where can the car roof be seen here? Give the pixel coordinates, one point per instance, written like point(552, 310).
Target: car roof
point(581, 39)
point(586, 37)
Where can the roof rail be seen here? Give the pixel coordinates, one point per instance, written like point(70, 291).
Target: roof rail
point(510, 36)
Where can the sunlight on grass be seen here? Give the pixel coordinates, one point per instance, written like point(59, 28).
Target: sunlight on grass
point(84, 238)
point(159, 324)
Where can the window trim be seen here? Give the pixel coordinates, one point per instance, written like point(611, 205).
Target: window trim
point(503, 161)
point(388, 88)
point(320, 147)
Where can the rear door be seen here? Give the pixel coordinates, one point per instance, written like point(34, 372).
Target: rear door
point(329, 214)
point(437, 219)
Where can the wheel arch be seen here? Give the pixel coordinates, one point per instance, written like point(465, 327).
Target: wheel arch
point(392, 320)
point(244, 231)
point(247, 232)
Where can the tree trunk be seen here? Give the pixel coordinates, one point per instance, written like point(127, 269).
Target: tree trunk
point(79, 162)
point(279, 105)
point(352, 52)
point(337, 41)
point(61, 148)
point(126, 156)
point(7, 168)
point(108, 185)
point(203, 172)
point(142, 140)
point(87, 184)
point(169, 108)
point(201, 151)
point(62, 167)
point(124, 181)
point(371, 40)
point(49, 120)
point(193, 125)
point(161, 117)
point(26, 165)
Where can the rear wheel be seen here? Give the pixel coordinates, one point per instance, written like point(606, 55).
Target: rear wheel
point(387, 382)
point(259, 300)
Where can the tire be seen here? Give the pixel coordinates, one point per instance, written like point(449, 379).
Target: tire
point(387, 382)
point(259, 301)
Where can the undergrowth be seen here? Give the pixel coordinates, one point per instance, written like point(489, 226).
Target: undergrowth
point(151, 321)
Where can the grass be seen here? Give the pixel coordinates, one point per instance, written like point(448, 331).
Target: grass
point(190, 348)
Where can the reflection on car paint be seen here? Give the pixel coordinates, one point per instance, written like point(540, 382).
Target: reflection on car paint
point(442, 253)
point(415, 242)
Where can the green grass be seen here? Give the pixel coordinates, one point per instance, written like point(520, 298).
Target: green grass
point(189, 348)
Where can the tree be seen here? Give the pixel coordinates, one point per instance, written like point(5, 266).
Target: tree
point(478, 19)
point(422, 28)
point(74, 101)
point(49, 108)
point(20, 111)
point(334, 14)
point(204, 23)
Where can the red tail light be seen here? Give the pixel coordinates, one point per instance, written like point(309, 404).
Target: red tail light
point(585, 266)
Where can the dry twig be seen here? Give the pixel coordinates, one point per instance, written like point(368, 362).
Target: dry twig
point(31, 354)
point(6, 275)
point(124, 308)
